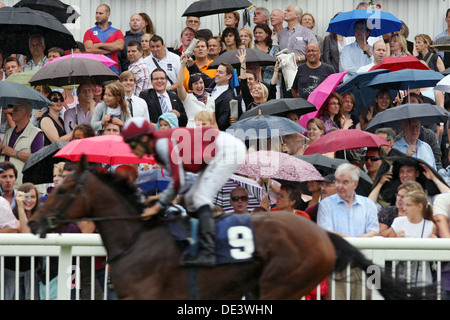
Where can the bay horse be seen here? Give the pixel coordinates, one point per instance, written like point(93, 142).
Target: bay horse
point(292, 255)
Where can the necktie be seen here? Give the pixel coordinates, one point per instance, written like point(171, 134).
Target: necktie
point(130, 105)
point(164, 107)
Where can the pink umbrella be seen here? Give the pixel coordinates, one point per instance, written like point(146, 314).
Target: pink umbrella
point(277, 165)
point(320, 94)
point(99, 57)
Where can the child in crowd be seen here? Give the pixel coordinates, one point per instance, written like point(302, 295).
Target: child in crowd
point(204, 119)
point(167, 121)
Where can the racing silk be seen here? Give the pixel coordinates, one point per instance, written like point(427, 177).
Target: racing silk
point(183, 150)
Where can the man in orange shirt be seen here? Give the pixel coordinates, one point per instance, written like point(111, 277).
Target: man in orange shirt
point(202, 61)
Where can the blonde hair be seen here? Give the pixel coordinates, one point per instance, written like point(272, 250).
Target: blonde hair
point(59, 166)
point(247, 31)
point(204, 116)
point(263, 88)
point(402, 41)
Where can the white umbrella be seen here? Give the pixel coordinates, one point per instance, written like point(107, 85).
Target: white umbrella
point(443, 85)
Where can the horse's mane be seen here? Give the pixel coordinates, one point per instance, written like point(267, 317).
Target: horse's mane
point(128, 191)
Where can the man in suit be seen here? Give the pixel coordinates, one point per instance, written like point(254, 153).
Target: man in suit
point(160, 101)
point(222, 92)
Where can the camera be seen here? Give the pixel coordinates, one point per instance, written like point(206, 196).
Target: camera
point(27, 196)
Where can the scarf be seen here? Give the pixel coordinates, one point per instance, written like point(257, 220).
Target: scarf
point(201, 98)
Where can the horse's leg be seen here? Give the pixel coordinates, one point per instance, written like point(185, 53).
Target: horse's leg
point(299, 257)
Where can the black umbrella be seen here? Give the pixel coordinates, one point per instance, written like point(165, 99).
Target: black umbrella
point(394, 160)
point(73, 71)
point(18, 24)
point(11, 92)
point(61, 11)
point(326, 165)
point(253, 55)
point(204, 8)
point(393, 117)
point(442, 44)
point(264, 127)
point(38, 168)
point(280, 107)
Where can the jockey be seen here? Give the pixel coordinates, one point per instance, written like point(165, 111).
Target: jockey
point(212, 154)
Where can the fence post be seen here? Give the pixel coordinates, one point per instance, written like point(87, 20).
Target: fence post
point(65, 273)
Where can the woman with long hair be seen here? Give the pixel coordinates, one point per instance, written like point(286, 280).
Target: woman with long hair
point(246, 37)
point(231, 19)
point(113, 108)
point(383, 101)
point(331, 113)
point(145, 43)
point(398, 46)
point(348, 110)
point(263, 41)
point(427, 54)
point(149, 28)
point(52, 124)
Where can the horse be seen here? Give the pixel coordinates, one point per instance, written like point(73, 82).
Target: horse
point(291, 255)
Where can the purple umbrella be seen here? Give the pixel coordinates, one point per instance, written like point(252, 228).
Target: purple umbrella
point(277, 165)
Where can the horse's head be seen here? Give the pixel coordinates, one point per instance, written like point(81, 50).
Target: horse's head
point(66, 203)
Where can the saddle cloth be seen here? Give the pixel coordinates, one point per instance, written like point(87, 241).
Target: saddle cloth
point(234, 237)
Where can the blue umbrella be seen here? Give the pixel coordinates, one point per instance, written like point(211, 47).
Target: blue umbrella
point(10, 92)
point(379, 22)
point(406, 79)
point(264, 127)
point(357, 85)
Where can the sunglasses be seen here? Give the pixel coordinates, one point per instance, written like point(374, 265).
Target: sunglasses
point(373, 159)
point(57, 99)
point(242, 198)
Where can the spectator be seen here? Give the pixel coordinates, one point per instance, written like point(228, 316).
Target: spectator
point(387, 214)
point(137, 27)
point(23, 140)
point(372, 161)
point(389, 135)
point(263, 42)
point(383, 101)
point(330, 113)
point(379, 54)
point(11, 65)
point(231, 20)
point(187, 35)
point(114, 108)
point(307, 20)
point(163, 59)
point(8, 178)
point(230, 39)
point(145, 43)
point(138, 66)
point(349, 109)
point(428, 54)
point(289, 198)
point(204, 119)
point(349, 215)
point(103, 38)
point(261, 16)
point(310, 74)
point(239, 200)
point(411, 145)
point(137, 106)
point(159, 100)
point(83, 130)
point(167, 121)
point(36, 44)
point(246, 37)
point(84, 110)
point(327, 188)
point(276, 20)
point(214, 48)
point(333, 44)
point(358, 53)
point(398, 46)
point(51, 123)
point(149, 28)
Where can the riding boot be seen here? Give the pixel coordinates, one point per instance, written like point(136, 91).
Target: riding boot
point(206, 256)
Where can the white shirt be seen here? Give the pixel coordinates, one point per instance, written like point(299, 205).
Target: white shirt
point(140, 108)
point(7, 218)
point(218, 90)
point(353, 58)
point(170, 64)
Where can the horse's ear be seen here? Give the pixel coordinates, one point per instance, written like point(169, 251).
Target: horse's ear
point(82, 164)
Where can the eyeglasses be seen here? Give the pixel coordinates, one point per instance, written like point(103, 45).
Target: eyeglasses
point(236, 198)
point(57, 99)
point(373, 158)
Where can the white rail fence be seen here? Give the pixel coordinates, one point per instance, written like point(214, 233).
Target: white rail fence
point(67, 246)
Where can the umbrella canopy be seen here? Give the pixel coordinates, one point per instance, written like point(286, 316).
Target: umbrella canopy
point(400, 63)
point(108, 149)
point(25, 77)
point(320, 94)
point(254, 190)
point(393, 117)
point(264, 127)
point(18, 24)
point(357, 85)
point(443, 85)
point(253, 55)
point(379, 22)
point(280, 107)
point(344, 140)
point(38, 168)
point(61, 11)
point(10, 92)
point(442, 44)
point(73, 71)
point(277, 165)
point(98, 57)
point(406, 79)
point(204, 8)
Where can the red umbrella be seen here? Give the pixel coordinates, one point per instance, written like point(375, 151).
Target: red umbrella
point(400, 63)
point(344, 140)
point(108, 149)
